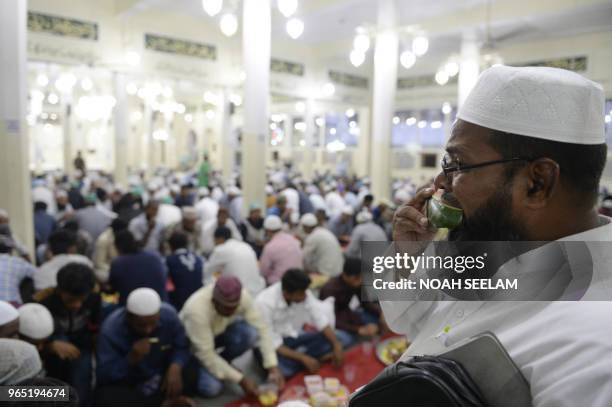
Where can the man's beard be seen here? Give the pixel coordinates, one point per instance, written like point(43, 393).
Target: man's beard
point(493, 221)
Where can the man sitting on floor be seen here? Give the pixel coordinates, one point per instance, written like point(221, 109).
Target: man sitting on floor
point(289, 309)
point(224, 315)
point(142, 350)
point(354, 316)
point(75, 307)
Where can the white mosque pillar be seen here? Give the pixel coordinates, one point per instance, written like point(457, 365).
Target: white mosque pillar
point(256, 44)
point(228, 144)
point(67, 136)
point(469, 65)
point(120, 118)
point(383, 100)
point(16, 197)
point(310, 133)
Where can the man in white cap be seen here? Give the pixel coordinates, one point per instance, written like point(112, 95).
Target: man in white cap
point(9, 320)
point(142, 350)
point(20, 361)
point(322, 252)
point(342, 225)
point(365, 231)
point(281, 252)
point(35, 324)
point(189, 225)
point(207, 207)
point(524, 162)
point(234, 204)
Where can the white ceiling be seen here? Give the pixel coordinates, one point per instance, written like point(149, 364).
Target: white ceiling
point(330, 24)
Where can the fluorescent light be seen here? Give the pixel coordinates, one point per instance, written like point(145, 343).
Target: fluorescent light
point(410, 121)
point(422, 124)
point(212, 7)
point(42, 80)
point(287, 7)
point(441, 78)
point(228, 24)
point(361, 43)
point(407, 59)
point(451, 68)
point(295, 28)
point(357, 58)
point(420, 45)
point(396, 120)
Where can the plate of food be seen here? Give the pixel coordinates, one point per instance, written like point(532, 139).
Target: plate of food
point(391, 349)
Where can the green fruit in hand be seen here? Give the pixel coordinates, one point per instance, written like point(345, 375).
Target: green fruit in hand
point(441, 215)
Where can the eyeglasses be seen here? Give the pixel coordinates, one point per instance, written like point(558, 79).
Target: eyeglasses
point(448, 167)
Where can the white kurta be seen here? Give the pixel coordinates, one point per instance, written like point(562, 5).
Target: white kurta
point(238, 259)
point(564, 349)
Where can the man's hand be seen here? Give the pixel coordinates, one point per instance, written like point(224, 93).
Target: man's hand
point(337, 354)
point(65, 350)
point(140, 349)
point(275, 376)
point(410, 222)
point(249, 387)
point(173, 382)
point(368, 330)
point(311, 364)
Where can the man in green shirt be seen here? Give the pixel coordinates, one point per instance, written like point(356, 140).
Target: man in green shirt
point(204, 172)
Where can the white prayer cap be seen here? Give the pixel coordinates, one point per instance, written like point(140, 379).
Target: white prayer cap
point(233, 190)
point(143, 302)
point(20, 361)
point(309, 220)
point(269, 190)
point(364, 216)
point(348, 210)
point(3, 213)
point(546, 103)
point(189, 212)
point(35, 321)
point(8, 313)
point(203, 191)
point(273, 223)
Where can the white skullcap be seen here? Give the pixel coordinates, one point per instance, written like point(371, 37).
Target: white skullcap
point(309, 220)
point(233, 190)
point(20, 361)
point(273, 222)
point(348, 210)
point(61, 194)
point(3, 213)
point(8, 313)
point(143, 302)
point(189, 212)
point(364, 216)
point(35, 321)
point(203, 191)
point(546, 103)
point(269, 190)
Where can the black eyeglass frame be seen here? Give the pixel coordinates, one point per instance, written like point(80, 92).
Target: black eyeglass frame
point(449, 169)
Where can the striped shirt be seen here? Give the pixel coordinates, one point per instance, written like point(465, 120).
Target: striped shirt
point(12, 272)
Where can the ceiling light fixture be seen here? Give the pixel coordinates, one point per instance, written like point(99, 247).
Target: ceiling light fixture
point(228, 24)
